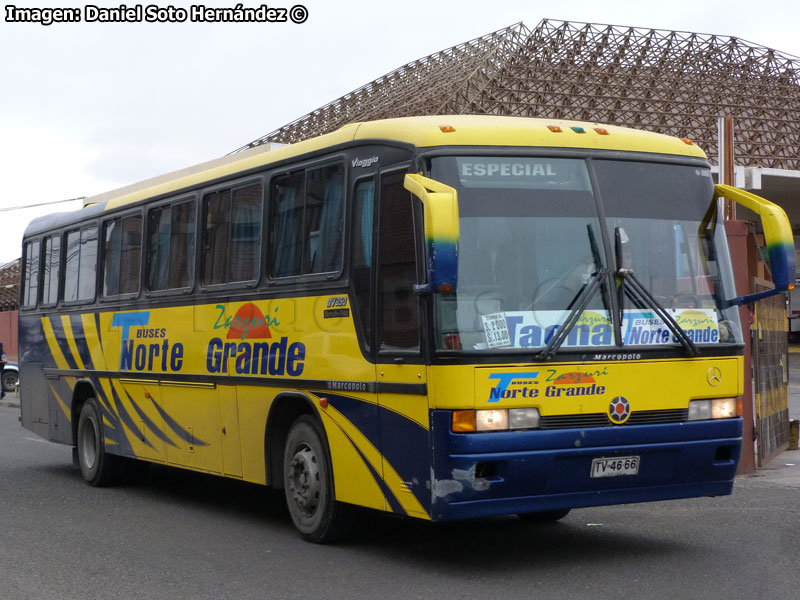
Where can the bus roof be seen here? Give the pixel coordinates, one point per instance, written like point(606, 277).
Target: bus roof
point(422, 132)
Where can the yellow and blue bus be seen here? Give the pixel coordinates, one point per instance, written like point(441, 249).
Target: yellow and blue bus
point(440, 317)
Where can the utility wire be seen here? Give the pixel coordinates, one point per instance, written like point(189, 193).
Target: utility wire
point(41, 204)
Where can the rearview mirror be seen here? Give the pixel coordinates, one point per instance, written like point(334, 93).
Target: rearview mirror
point(777, 236)
point(440, 213)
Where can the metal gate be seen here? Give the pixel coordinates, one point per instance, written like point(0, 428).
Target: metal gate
point(770, 352)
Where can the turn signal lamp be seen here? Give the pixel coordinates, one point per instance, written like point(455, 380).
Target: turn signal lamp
point(463, 421)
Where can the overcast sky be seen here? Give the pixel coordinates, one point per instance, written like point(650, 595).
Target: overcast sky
point(89, 107)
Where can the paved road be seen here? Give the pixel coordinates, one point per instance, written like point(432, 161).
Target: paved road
point(174, 534)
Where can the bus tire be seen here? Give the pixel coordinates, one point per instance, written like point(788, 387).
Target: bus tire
point(98, 467)
point(545, 516)
point(308, 485)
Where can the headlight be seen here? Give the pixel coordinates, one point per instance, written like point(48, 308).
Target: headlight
point(498, 419)
point(523, 418)
point(491, 420)
point(716, 408)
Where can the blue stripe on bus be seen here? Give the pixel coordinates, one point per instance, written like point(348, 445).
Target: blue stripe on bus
point(360, 413)
point(405, 444)
point(407, 447)
point(127, 419)
point(147, 421)
point(394, 503)
point(61, 340)
point(176, 427)
point(99, 336)
point(79, 335)
point(111, 427)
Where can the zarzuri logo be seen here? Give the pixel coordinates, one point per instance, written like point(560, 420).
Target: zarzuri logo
point(364, 162)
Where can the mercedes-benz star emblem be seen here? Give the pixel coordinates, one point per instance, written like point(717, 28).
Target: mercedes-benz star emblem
point(714, 376)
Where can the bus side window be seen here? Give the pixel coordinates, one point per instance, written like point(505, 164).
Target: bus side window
point(170, 254)
point(323, 220)
point(121, 256)
point(80, 273)
point(287, 223)
point(232, 235)
point(307, 222)
point(30, 286)
point(361, 257)
point(52, 268)
point(398, 309)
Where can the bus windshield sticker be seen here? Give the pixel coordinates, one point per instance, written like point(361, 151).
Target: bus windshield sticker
point(522, 173)
point(496, 329)
point(526, 329)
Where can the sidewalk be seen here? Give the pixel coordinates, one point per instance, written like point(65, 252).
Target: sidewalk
point(11, 399)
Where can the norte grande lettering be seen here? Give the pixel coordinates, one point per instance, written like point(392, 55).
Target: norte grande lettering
point(256, 358)
point(144, 357)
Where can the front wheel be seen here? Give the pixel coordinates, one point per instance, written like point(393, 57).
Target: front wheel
point(98, 467)
point(308, 484)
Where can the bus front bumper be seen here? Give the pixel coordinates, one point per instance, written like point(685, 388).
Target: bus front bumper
point(484, 474)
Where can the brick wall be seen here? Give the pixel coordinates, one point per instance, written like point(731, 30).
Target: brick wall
point(8, 332)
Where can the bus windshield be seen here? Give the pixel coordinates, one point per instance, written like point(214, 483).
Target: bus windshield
point(531, 241)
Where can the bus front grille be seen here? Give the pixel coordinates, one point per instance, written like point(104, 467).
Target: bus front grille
point(642, 417)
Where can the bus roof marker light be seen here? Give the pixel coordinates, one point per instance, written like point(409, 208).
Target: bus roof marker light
point(447, 128)
point(687, 141)
point(554, 128)
point(601, 130)
point(577, 129)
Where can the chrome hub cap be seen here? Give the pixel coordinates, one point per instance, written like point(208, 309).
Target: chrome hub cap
point(304, 480)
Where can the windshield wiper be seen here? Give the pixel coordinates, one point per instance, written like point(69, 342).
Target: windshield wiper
point(640, 294)
point(580, 301)
point(578, 305)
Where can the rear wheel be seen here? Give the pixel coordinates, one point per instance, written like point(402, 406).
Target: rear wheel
point(98, 467)
point(308, 484)
point(547, 516)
